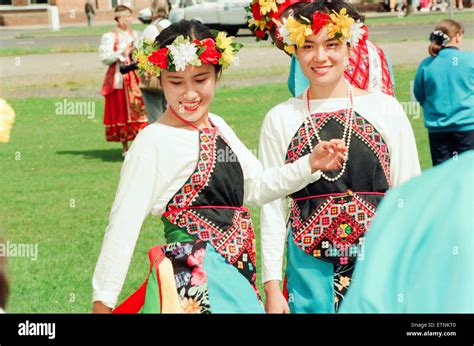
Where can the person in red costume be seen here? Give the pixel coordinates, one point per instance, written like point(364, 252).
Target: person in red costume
point(124, 112)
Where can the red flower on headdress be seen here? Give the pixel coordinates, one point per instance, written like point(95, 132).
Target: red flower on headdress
point(210, 55)
point(319, 20)
point(159, 58)
point(260, 33)
point(257, 15)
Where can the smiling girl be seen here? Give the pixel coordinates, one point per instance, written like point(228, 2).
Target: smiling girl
point(328, 217)
point(208, 264)
point(368, 66)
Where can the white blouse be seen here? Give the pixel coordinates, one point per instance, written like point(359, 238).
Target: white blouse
point(157, 165)
point(108, 55)
point(280, 125)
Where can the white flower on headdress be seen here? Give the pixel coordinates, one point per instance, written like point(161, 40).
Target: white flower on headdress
point(281, 2)
point(356, 33)
point(183, 53)
point(285, 33)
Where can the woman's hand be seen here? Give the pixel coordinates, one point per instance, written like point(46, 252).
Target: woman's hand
point(101, 308)
point(328, 156)
point(275, 302)
point(128, 49)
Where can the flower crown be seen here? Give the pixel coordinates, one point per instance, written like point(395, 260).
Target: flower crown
point(260, 15)
point(182, 52)
point(339, 25)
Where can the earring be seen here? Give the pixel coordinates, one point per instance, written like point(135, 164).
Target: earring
point(346, 61)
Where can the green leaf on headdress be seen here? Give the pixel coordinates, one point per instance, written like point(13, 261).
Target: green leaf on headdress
point(181, 40)
point(236, 46)
point(214, 33)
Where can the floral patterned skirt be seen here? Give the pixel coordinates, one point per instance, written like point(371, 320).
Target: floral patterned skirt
point(195, 278)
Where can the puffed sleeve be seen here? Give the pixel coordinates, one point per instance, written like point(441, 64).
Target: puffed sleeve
point(140, 186)
point(273, 228)
point(107, 55)
point(404, 161)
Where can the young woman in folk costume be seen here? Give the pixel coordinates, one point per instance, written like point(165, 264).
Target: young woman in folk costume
point(124, 112)
point(368, 67)
point(201, 175)
point(328, 218)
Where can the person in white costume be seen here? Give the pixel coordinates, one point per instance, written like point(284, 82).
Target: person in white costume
point(329, 217)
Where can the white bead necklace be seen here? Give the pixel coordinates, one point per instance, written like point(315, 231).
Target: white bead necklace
point(346, 136)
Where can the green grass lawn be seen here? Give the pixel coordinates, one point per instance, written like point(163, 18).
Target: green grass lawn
point(27, 51)
point(58, 183)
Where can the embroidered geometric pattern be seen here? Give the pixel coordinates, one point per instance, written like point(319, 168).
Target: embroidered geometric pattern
point(363, 130)
point(387, 85)
point(237, 244)
point(231, 243)
point(338, 223)
point(199, 178)
point(357, 71)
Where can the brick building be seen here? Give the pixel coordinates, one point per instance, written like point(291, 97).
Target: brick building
point(37, 12)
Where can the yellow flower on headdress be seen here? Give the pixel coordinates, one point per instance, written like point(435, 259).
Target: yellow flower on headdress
point(340, 25)
point(222, 41)
point(224, 44)
point(298, 31)
point(7, 118)
point(267, 6)
point(227, 58)
point(290, 49)
point(142, 59)
point(259, 24)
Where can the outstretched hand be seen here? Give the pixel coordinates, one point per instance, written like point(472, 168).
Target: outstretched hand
point(328, 156)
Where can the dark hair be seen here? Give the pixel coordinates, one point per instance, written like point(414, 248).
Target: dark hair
point(121, 8)
point(4, 289)
point(193, 29)
point(448, 27)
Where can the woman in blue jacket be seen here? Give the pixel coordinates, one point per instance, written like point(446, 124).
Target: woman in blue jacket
point(444, 87)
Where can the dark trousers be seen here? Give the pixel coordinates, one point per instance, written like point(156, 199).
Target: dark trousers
point(444, 145)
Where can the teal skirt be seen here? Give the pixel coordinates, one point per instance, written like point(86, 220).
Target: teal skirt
point(314, 285)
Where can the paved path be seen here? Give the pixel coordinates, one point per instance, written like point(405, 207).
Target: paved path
point(378, 33)
point(81, 74)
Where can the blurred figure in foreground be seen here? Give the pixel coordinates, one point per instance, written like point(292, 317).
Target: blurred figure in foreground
point(419, 253)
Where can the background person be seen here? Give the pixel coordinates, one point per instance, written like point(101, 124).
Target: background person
point(124, 111)
point(89, 9)
point(444, 85)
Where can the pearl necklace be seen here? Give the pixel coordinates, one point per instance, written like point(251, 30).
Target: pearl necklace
point(346, 136)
